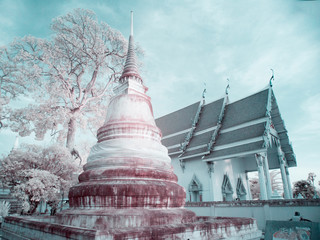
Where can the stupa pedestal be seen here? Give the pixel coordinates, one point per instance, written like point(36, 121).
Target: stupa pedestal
point(128, 189)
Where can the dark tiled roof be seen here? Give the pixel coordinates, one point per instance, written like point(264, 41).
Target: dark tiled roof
point(194, 152)
point(178, 120)
point(282, 133)
point(173, 140)
point(245, 110)
point(248, 109)
point(241, 134)
point(237, 149)
point(200, 139)
point(209, 115)
point(173, 150)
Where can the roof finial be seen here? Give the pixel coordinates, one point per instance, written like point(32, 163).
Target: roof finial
point(272, 78)
point(204, 91)
point(131, 29)
point(228, 86)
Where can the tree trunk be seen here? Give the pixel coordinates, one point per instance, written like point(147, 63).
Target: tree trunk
point(33, 207)
point(71, 133)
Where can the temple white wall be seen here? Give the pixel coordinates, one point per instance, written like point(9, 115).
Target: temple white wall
point(279, 210)
point(211, 186)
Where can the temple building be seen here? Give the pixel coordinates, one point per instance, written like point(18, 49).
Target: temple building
point(213, 146)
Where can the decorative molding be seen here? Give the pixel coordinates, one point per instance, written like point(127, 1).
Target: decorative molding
point(192, 156)
point(189, 135)
point(174, 153)
point(239, 143)
point(176, 134)
point(242, 154)
point(195, 148)
point(259, 160)
point(268, 137)
point(226, 188)
point(210, 166)
point(241, 190)
point(195, 184)
point(243, 125)
point(219, 124)
point(182, 165)
point(173, 146)
point(225, 146)
point(281, 157)
point(287, 170)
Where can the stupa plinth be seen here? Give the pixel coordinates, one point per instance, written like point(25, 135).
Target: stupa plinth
point(128, 189)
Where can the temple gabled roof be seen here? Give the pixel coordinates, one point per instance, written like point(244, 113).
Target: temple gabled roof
point(240, 133)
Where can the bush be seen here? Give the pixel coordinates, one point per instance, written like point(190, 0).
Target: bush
point(4, 209)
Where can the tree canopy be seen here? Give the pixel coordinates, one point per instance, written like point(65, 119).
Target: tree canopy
point(71, 71)
point(305, 188)
point(34, 173)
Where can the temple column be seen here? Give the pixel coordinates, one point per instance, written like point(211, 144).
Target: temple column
point(210, 166)
point(263, 190)
point(289, 182)
point(267, 175)
point(283, 173)
point(248, 187)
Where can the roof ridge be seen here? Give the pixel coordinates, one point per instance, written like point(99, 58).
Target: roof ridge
point(250, 95)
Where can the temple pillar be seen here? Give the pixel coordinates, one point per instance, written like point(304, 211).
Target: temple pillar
point(248, 187)
point(289, 182)
point(263, 189)
point(283, 173)
point(210, 166)
point(267, 175)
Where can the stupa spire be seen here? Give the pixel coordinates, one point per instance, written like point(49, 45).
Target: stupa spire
point(131, 29)
point(131, 68)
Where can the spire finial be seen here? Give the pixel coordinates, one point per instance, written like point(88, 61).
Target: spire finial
point(131, 29)
point(272, 78)
point(204, 91)
point(130, 67)
point(228, 86)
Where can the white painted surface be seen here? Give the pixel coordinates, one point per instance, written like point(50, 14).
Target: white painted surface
point(278, 212)
point(211, 186)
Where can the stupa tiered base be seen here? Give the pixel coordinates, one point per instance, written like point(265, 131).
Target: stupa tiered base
point(202, 228)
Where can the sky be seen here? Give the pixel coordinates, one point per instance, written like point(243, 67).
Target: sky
point(188, 44)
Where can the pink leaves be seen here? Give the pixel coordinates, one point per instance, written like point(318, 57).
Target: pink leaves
point(35, 173)
point(67, 75)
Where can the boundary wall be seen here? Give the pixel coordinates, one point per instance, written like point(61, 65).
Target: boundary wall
point(261, 210)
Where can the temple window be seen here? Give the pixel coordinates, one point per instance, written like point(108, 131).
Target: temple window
point(227, 191)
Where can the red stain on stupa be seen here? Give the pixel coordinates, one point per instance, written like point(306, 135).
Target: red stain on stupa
point(128, 180)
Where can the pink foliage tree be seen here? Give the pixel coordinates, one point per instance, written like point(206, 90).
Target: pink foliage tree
point(11, 85)
point(72, 71)
point(35, 174)
point(276, 184)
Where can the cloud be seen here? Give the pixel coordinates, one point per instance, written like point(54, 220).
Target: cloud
point(190, 42)
point(310, 125)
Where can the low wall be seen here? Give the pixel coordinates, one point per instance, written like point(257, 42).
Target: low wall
point(261, 210)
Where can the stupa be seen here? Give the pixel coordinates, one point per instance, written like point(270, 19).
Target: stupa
point(128, 189)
